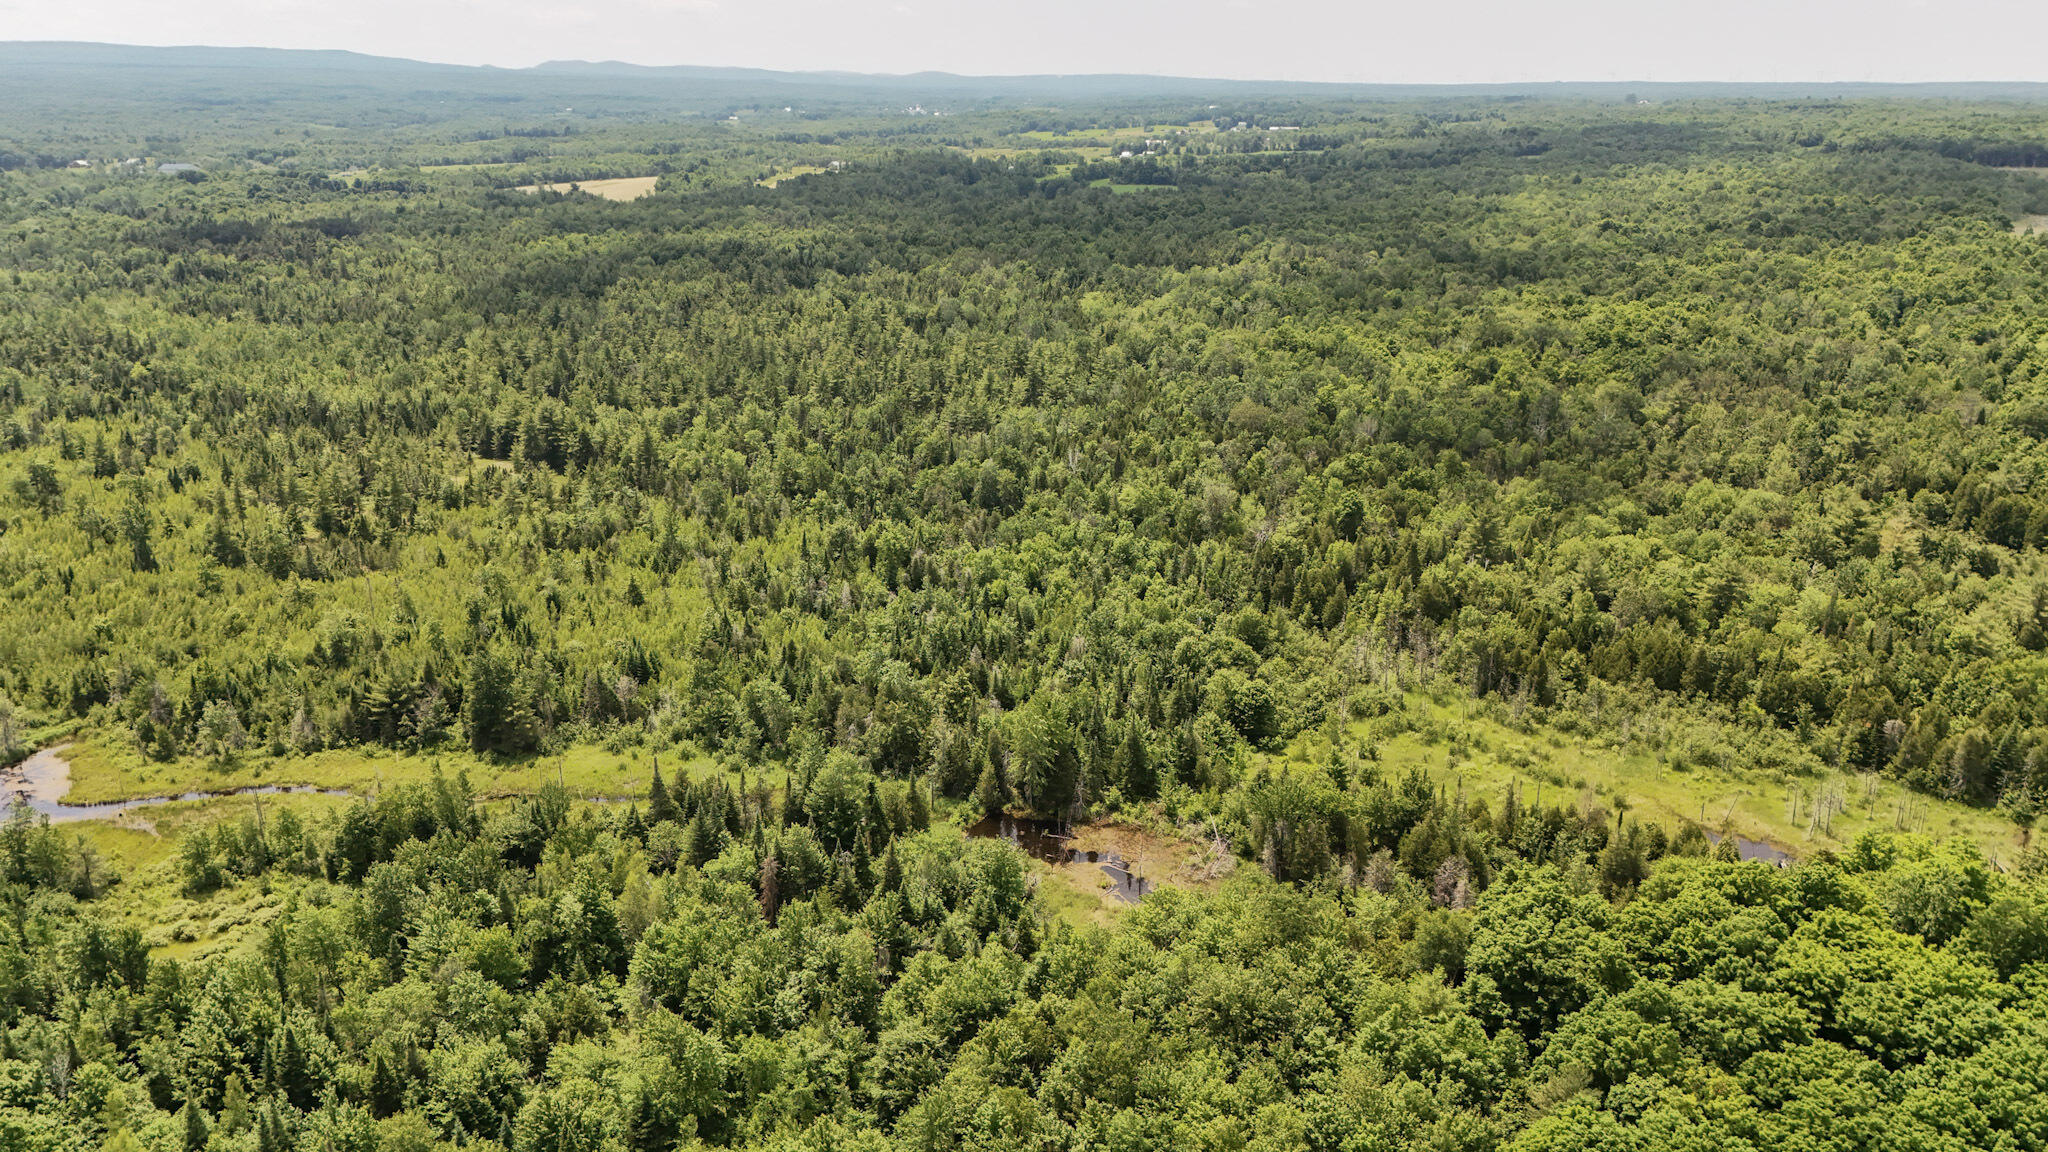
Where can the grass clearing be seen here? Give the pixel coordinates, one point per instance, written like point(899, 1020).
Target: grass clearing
point(105, 768)
point(620, 188)
point(1131, 189)
point(141, 848)
point(1473, 747)
point(1069, 902)
point(792, 173)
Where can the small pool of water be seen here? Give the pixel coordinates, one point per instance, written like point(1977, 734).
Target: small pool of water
point(43, 779)
point(1758, 850)
point(1050, 842)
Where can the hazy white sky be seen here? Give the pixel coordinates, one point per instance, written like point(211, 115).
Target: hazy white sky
point(1361, 40)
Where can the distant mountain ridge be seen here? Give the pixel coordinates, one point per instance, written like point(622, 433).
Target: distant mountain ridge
point(18, 57)
point(87, 53)
point(74, 54)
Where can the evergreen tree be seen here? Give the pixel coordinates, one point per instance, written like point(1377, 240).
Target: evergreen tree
point(1134, 763)
point(387, 1091)
point(197, 1131)
point(659, 807)
point(989, 791)
point(920, 806)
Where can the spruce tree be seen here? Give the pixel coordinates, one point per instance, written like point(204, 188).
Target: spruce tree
point(196, 1129)
point(269, 1132)
point(988, 791)
point(659, 806)
point(892, 871)
point(1140, 775)
point(387, 1092)
point(920, 806)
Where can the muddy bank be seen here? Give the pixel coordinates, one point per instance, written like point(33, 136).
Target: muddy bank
point(42, 780)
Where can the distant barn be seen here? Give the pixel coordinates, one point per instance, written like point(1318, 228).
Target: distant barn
point(172, 169)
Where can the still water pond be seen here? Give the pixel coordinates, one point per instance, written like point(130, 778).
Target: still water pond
point(1052, 843)
point(1758, 850)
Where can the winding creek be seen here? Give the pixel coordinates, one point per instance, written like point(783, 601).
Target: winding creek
point(42, 780)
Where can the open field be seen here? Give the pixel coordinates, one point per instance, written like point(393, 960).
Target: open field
point(1131, 189)
point(1149, 131)
point(1463, 746)
point(2030, 225)
point(104, 770)
point(792, 173)
point(619, 188)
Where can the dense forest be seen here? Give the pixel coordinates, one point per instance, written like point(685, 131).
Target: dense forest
point(1147, 462)
point(824, 974)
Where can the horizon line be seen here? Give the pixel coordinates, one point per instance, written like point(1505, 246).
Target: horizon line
point(628, 65)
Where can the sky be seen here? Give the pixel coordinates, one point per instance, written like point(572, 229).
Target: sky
point(1387, 41)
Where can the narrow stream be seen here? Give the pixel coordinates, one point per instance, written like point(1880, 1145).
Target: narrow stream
point(42, 780)
point(1047, 841)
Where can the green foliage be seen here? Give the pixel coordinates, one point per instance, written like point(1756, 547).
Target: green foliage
point(1047, 494)
point(592, 998)
point(954, 478)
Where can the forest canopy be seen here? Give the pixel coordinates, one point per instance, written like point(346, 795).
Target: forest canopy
point(1153, 460)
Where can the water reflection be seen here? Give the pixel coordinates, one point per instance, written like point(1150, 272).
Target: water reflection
point(1047, 841)
point(1758, 850)
point(42, 780)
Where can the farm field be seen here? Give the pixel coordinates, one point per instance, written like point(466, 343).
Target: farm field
point(620, 188)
